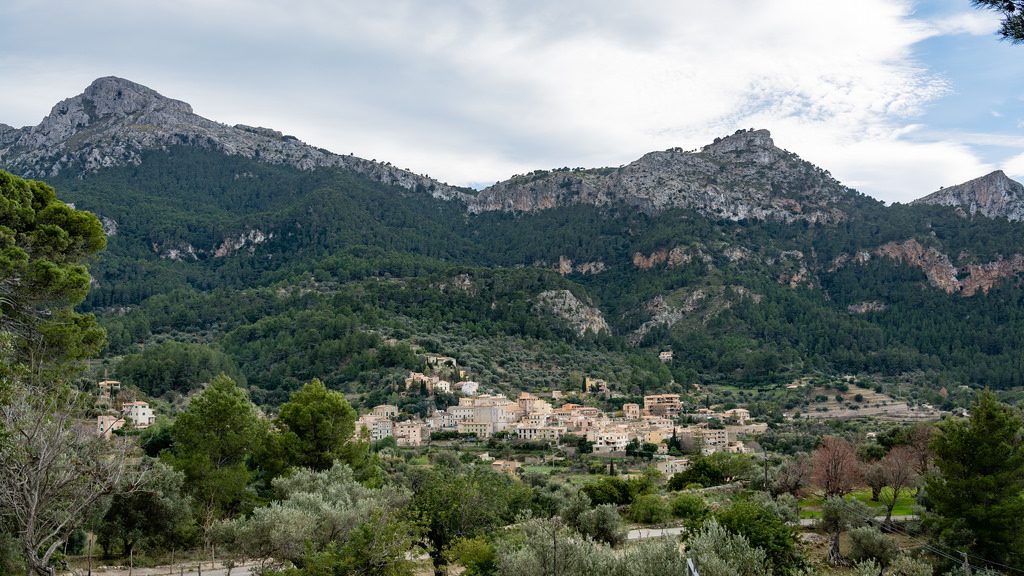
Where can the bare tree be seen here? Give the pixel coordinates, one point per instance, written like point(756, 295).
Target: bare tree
point(836, 469)
point(874, 477)
point(899, 468)
point(56, 469)
point(919, 442)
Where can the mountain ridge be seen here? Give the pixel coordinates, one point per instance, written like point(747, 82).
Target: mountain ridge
point(113, 121)
point(731, 255)
point(740, 176)
point(993, 195)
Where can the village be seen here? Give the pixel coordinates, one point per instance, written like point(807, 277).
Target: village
point(481, 415)
point(658, 422)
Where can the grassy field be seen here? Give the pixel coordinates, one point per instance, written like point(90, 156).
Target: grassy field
point(810, 507)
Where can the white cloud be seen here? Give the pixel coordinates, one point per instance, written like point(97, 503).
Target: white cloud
point(476, 91)
point(974, 22)
point(1014, 167)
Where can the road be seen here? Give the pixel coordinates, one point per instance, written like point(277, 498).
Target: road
point(645, 533)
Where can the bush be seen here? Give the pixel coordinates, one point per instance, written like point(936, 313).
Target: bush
point(476, 555)
point(719, 552)
point(868, 543)
point(765, 529)
point(691, 507)
point(608, 490)
point(602, 524)
point(649, 509)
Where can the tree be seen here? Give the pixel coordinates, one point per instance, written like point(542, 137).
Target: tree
point(56, 473)
point(213, 439)
point(1012, 27)
point(649, 509)
point(691, 508)
point(873, 475)
point(545, 547)
point(157, 514)
point(838, 515)
point(764, 529)
point(463, 503)
point(328, 520)
point(835, 466)
point(43, 246)
point(975, 492)
point(713, 470)
point(867, 543)
point(476, 555)
point(900, 473)
point(174, 367)
point(316, 425)
point(720, 552)
point(793, 476)
point(602, 524)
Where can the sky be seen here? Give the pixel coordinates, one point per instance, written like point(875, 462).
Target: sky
point(895, 98)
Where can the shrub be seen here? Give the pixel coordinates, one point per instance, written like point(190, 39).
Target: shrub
point(649, 509)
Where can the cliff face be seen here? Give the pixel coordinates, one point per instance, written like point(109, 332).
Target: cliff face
point(580, 317)
point(967, 280)
point(738, 177)
point(114, 121)
point(993, 195)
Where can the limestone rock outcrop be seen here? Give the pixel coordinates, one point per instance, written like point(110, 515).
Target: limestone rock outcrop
point(565, 305)
point(993, 195)
point(114, 121)
point(743, 176)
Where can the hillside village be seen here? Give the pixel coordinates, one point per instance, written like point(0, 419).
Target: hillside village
point(482, 415)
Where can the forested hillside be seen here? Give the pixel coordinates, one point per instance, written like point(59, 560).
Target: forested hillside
point(293, 274)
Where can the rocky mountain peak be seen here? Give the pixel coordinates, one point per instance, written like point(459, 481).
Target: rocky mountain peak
point(993, 195)
point(114, 121)
point(737, 177)
point(115, 96)
point(757, 144)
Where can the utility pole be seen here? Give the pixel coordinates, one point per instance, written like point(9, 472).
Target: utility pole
point(764, 451)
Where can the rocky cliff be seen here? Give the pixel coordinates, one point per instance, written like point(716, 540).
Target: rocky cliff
point(966, 280)
point(565, 305)
point(114, 121)
point(993, 195)
point(743, 176)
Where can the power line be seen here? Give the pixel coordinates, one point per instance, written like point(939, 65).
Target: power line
point(936, 548)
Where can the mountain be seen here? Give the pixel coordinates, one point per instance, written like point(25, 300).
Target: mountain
point(114, 121)
point(288, 262)
point(994, 195)
point(737, 177)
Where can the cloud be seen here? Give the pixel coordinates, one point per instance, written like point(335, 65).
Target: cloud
point(476, 91)
point(1014, 167)
point(974, 22)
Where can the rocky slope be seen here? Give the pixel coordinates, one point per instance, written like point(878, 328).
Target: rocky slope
point(738, 177)
point(114, 121)
point(966, 280)
point(565, 305)
point(743, 176)
point(993, 195)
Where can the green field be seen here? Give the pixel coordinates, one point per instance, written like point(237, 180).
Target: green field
point(810, 507)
